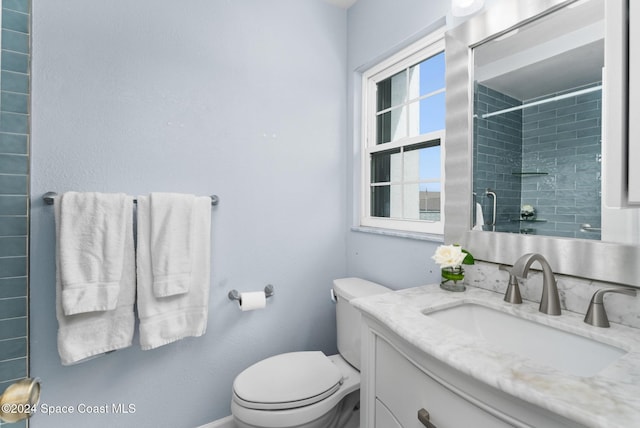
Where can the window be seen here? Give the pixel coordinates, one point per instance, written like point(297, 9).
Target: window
point(403, 140)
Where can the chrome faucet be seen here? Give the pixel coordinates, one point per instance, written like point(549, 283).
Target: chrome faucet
point(550, 300)
point(596, 315)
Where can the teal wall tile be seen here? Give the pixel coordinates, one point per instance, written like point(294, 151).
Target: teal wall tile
point(13, 307)
point(13, 266)
point(13, 369)
point(11, 328)
point(13, 226)
point(15, 41)
point(13, 164)
point(19, 424)
point(14, 82)
point(13, 287)
point(13, 348)
point(13, 143)
point(12, 246)
point(13, 184)
point(14, 122)
point(16, 21)
point(18, 5)
point(15, 103)
point(14, 61)
point(13, 205)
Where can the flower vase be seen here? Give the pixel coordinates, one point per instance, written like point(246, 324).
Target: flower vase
point(452, 278)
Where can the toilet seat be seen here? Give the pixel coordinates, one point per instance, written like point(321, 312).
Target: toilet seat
point(287, 381)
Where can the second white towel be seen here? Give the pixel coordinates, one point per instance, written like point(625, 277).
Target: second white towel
point(171, 240)
point(166, 319)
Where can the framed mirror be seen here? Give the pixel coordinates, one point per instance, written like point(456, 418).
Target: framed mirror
point(537, 126)
point(527, 95)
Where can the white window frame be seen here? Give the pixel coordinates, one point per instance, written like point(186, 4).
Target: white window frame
point(413, 54)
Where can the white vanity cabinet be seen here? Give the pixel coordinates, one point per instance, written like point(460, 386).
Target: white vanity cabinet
point(404, 389)
point(398, 381)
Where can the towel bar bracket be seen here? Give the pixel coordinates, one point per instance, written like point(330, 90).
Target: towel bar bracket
point(235, 294)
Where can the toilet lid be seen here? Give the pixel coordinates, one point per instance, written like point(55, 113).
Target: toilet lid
point(287, 381)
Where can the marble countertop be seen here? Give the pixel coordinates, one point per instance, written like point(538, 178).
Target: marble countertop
point(611, 398)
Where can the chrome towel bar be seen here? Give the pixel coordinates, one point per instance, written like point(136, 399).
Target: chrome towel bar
point(50, 197)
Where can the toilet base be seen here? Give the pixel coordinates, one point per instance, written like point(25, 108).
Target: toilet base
point(345, 415)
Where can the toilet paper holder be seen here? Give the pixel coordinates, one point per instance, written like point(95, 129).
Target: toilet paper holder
point(235, 294)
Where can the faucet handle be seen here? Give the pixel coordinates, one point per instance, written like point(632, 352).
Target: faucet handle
point(512, 295)
point(596, 314)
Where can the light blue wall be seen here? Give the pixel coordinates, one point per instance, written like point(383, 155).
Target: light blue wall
point(242, 98)
point(376, 30)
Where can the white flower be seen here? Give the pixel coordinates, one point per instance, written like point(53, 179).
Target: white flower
point(527, 208)
point(449, 256)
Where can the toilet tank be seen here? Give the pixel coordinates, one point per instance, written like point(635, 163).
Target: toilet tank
point(348, 318)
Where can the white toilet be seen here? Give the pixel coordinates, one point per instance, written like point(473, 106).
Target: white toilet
point(307, 389)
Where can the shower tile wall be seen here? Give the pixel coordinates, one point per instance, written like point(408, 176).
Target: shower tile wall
point(563, 138)
point(560, 139)
point(497, 157)
point(14, 173)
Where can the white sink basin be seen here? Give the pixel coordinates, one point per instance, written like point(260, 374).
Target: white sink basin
point(568, 352)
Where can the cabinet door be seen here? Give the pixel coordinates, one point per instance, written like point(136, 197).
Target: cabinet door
point(384, 418)
point(404, 389)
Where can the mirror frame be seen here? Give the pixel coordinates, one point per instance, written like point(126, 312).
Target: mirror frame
point(605, 261)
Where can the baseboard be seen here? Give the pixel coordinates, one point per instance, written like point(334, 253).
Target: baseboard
point(221, 423)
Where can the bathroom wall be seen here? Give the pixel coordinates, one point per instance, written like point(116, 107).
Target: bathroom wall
point(14, 170)
point(374, 33)
point(378, 29)
point(244, 99)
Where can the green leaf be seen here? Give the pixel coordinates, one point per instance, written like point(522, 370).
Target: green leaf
point(468, 260)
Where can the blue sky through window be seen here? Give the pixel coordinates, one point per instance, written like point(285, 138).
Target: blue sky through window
point(432, 114)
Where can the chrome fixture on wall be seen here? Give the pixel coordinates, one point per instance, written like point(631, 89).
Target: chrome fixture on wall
point(494, 197)
point(50, 197)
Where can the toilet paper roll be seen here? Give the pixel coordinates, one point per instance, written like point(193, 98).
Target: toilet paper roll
point(252, 300)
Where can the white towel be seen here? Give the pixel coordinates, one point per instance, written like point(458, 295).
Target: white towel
point(164, 320)
point(479, 220)
point(91, 249)
point(87, 335)
point(171, 240)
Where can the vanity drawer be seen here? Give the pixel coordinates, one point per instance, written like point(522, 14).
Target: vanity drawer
point(403, 389)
